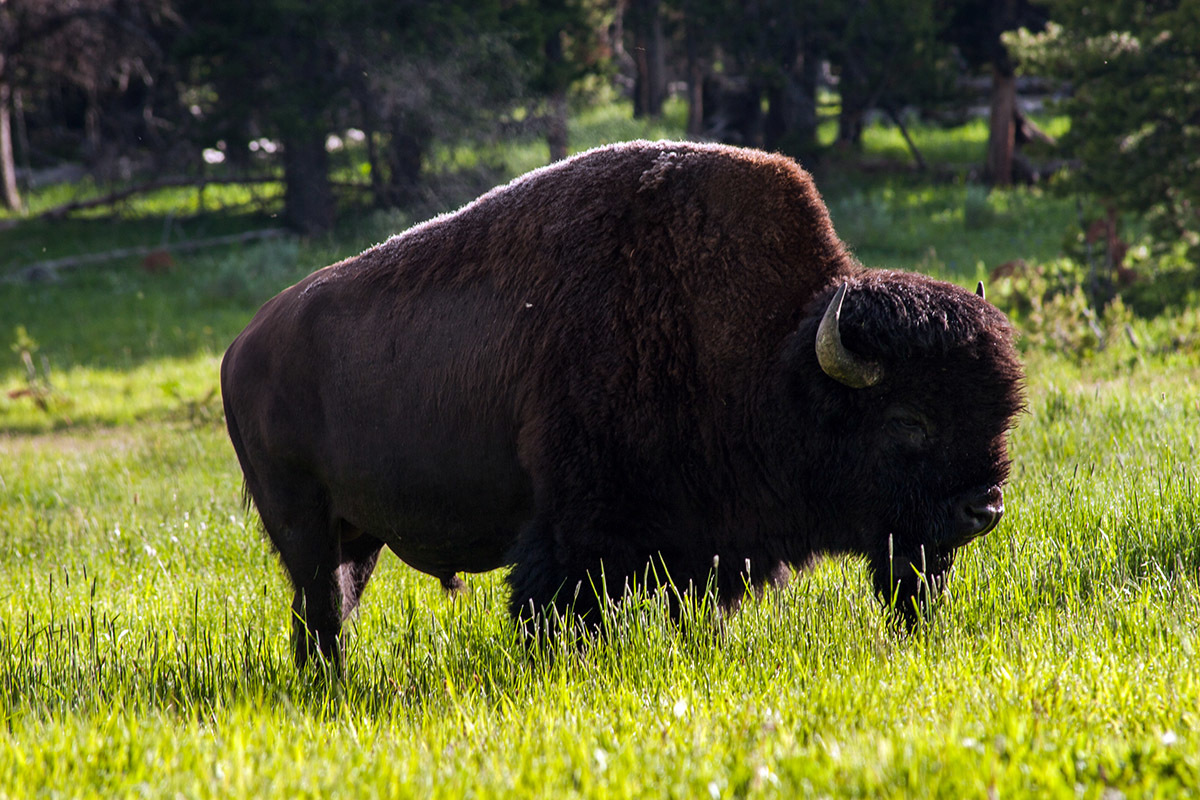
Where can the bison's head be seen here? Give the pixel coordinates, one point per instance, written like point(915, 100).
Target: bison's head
point(906, 388)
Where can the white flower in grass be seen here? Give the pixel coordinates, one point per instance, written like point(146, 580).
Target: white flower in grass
point(764, 775)
point(680, 708)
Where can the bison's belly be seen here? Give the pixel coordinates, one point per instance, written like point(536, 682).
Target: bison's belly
point(440, 518)
point(446, 544)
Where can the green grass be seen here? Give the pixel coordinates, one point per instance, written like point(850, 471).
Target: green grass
point(144, 623)
point(954, 230)
point(963, 146)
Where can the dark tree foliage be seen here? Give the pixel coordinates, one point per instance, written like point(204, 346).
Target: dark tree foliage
point(87, 76)
point(560, 43)
point(887, 55)
point(975, 27)
point(407, 73)
point(765, 91)
point(270, 68)
point(420, 72)
point(172, 78)
point(1135, 107)
point(760, 62)
point(644, 21)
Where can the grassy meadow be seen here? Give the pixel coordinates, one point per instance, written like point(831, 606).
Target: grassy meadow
point(144, 620)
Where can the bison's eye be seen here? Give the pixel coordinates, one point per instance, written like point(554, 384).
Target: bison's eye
point(908, 426)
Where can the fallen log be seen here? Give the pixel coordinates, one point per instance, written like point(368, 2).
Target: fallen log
point(116, 196)
point(48, 270)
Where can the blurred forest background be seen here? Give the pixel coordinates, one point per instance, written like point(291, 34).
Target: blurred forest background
point(352, 104)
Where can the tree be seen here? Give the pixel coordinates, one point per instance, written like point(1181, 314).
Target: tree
point(406, 72)
point(102, 52)
point(697, 45)
point(702, 23)
point(644, 18)
point(1135, 106)
point(976, 28)
point(765, 93)
point(8, 164)
point(560, 42)
point(418, 72)
point(270, 68)
point(887, 55)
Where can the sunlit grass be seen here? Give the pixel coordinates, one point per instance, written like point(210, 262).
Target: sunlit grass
point(1063, 660)
point(961, 145)
point(181, 201)
point(951, 229)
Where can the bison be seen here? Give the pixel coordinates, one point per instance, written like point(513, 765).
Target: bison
point(652, 354)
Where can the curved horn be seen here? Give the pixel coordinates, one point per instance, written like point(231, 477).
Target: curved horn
point(979, 290)
point(836, 361)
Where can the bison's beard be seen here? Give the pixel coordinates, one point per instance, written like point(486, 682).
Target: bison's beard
point(908, 582)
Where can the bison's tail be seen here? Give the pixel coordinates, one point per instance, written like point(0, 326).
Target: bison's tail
point(235, 438)
point(247, 500)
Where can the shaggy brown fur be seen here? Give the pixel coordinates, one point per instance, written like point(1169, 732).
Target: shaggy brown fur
point(606, 363)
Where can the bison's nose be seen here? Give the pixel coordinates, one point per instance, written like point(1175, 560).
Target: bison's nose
point(976, 514)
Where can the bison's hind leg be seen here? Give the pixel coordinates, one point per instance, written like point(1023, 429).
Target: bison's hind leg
point(356, 562)
point(328, 562)
point(329, 581)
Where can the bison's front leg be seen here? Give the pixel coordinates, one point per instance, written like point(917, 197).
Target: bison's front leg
point(554, 578)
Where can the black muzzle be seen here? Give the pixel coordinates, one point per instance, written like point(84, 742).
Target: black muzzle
point(975, 514)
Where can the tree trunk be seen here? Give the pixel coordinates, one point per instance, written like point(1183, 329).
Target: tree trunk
point(556, 125)
point(18, 110)
point(650, 88)
point(695, 67)
point(308, 196)
point(8, 164)
point(854, 102)
point(370, 127)
point(406, 152)
point(922, 165)
point(791, 123)
point(1002, 134)
point(556, 131)
point(378, 194)
point(850, 125)
point(91, 129)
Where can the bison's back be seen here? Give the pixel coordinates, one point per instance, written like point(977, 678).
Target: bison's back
point(716, 248)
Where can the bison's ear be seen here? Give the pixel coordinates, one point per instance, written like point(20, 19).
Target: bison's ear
point(836, 361)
